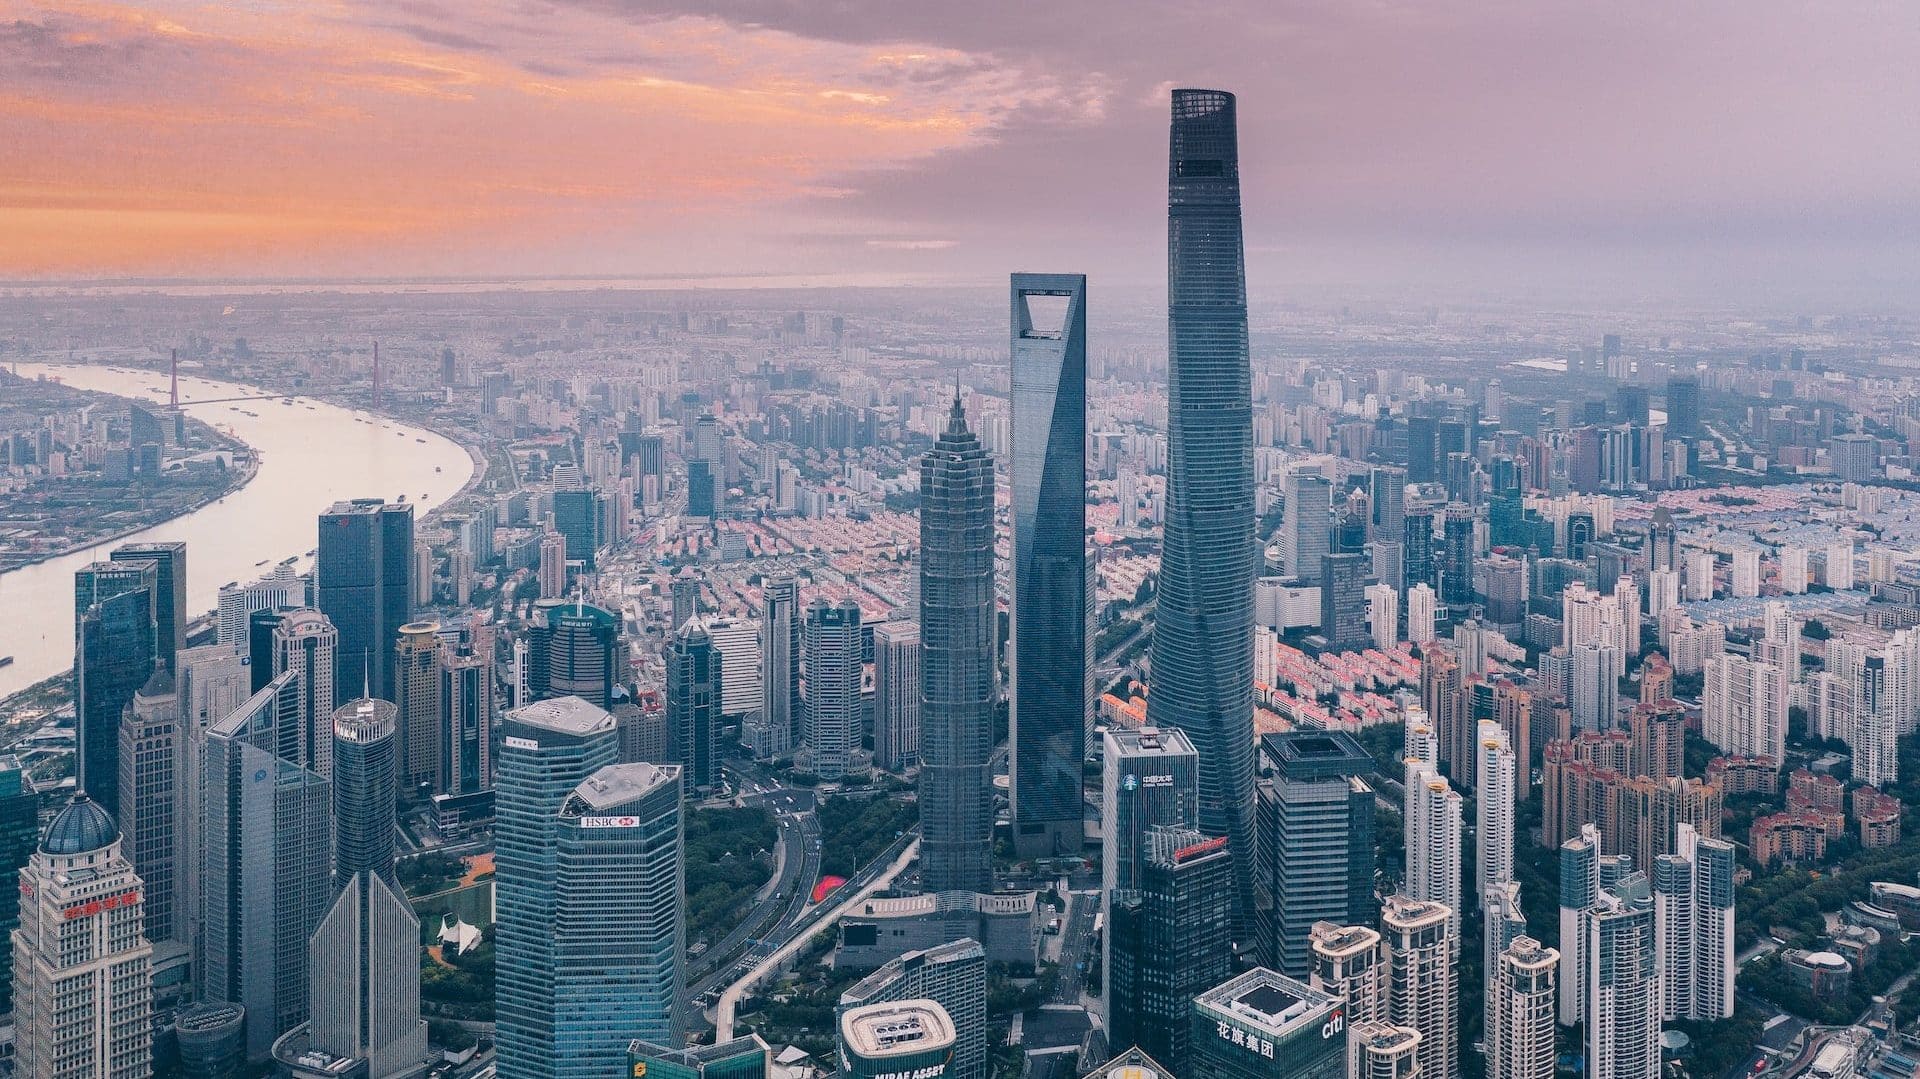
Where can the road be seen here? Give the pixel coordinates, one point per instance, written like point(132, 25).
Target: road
point(876, 876)
point(800, 871)
point(1076, 941)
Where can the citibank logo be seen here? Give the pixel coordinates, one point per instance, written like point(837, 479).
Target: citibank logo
point(1334, 1025)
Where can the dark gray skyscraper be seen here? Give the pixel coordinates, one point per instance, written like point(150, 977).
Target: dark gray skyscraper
point(693, 703)
point(1051, 671)
point(169, 594)
point(956, 661)
point(1203, 632)
point(366, 784)
point(113, 605)
point(363, 583)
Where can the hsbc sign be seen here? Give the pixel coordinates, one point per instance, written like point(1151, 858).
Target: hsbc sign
point(609, 822)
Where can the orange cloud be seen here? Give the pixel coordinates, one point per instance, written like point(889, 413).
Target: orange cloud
point(342, 138)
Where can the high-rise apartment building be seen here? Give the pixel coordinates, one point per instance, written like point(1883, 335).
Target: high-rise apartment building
point(1693, 926)
point(1050, 645)
point(82, 985)
point(1433, 842)
point(1350, 965)
point(781, 704)
point(1315, 826)
point(1520, 1012)
point(1203, 634)
point(114, 649)
point(304, 641)
point(835, 716)
point(896, 695)
point(957, 666)
point(1744, 707)
point(1378, 1050)
point(363, 582)
point(1421, 614)
point(954, 976)
point(1423, 982)
point(618, 931)
point(1494, 821)
point(547, 749)
point(1622, 999)
point(266, 837)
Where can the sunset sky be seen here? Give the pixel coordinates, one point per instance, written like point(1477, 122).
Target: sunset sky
point(1768, 142)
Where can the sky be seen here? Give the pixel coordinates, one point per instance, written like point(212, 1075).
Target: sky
point(1765, 146)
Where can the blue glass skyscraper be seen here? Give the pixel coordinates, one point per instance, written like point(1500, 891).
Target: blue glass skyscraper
point(546, 750)
point(1051, 669)
point(1203, 632)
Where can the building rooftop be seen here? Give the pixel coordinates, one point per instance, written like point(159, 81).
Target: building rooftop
point(563, 715)
point(81, 827)
point(898, 1028)
point(1268, 1001)
point(1151, 741)
point(617, 785)
point(1311, 754)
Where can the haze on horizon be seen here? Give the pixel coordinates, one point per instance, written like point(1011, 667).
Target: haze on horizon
point(1760, 151)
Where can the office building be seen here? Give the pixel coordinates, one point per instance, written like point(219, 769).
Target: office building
point(114, 636)
point(305, 642)
point(170, 612)
point(957, 665)
point(150, 735)
point(416, 690)
point(896, 695)
point(1350, 965)
point(466, 719)
point(618, 933)
point(1202, 657)
point(740, 1058)
point(782, 705)
point(737, 643)
point(19, 836)
point(1171, 939)
point(280, 588)
point(364, 960)
point(1383, 616)
point(1343, 602)
point(1050, 644)
point(1853, 457)
point(1683, 407)
point(1693, 927)
point(1520, 1011)
point(552, 571)
point(82, 988)
point(578, 515)
point(835, 714)
point(693, 704)
point(897, 1038)
point(1423, 984)
point(1149, 778)
point(573, 650)
point(547, 749)
point(266, 833)
point(1306, 526)
point(1265, 1025)
point(363, 572)
point(1387, 495)
point(954, 976)
point(1316, 847)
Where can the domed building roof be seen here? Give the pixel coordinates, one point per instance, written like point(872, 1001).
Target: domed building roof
point(81, 827)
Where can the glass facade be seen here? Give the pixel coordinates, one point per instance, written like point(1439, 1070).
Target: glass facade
point(1203, 635)
point(693, 703)
point(1051, 706)
point(114, 636)
point(957, 669)
point(363, 583)
point(1316, 844)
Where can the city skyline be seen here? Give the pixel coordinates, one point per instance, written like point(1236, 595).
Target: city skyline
point(896, 144)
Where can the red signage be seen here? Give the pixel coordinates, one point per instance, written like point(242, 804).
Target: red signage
point(103, 904)
point(1195, 851)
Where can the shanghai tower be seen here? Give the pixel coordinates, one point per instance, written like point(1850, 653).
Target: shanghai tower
point(956, 661)
point(1202, 676)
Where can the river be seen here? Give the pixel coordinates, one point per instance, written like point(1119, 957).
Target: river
point(312, 454)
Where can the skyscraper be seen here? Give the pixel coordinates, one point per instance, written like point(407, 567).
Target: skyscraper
point(149, 784)
point(693, 703)
point(1172, 938)
point(1622, 1000)
point(1051, 661)
point(618, 932)
point(1693, 926)
point(547, 749)
point(1387, 492)
point(114, 648)
point(82, 988)
point(1306, 525)
point(19, 836)
point(1316, 841)
point(953, 976)
point(1343, 602)
point(782, 705)
point(363, 583)
point(1350, 965)
point(1423, 982)
point(1203, 633)
point(1265, 1025)
point(466, 719)
point(957, 666)
point(169, 594)
point(1417, 561)
point(416, 692)
point(896, 695)
point(834, 713)
point(1520, 1012)
point(265, 838)
point(1433, 826)
point(364, 959)
point(304, 641)
point(577, 515)
point(1494, 824)
point(573, 650)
